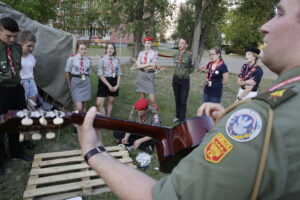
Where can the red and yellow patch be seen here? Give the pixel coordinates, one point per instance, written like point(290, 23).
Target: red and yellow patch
point(217, 148)
point(278, 93)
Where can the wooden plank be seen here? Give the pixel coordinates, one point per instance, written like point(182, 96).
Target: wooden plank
point(68, 195)
point(78, 158)
point(62, 177)
point(62, 188)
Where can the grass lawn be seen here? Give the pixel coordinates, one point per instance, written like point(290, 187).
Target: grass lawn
point(13, 183)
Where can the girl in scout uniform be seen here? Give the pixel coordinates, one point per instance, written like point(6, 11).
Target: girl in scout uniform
point(216, 77)
point(109, 72)
point(77, 74)
point(250, 75)
point(146, 64)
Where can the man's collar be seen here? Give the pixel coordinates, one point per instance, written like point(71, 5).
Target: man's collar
point(3, 45)
point(290, 73)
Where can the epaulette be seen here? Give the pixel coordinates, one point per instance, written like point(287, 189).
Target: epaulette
point(89, 58)
point(72, 55)
point(101, 57)
point(276, 97)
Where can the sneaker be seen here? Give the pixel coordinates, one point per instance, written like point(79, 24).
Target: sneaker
point(28, 144)
point(75, 131)
point(175, 120)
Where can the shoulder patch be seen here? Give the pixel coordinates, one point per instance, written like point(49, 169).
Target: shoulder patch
point(276, 97)
point(244, 125)
point(217, 148)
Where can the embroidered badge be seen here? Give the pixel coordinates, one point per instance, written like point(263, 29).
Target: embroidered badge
point(277, 94)
point(217, 148)
point(243, 125)
point(217, 72)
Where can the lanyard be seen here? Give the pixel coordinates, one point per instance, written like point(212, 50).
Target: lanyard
point(248, 73)
point(210, 71)
point(146, 57)
point(292, 80)
point(10, 61)
point(81, 66)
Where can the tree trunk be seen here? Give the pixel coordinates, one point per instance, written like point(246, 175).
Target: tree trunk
point(90, 35)
point(203, 39)
point(138, 34)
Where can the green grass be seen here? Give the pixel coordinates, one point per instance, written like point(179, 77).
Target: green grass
point(13, 184)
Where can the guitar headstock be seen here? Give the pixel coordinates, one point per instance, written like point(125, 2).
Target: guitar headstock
point(25, 120)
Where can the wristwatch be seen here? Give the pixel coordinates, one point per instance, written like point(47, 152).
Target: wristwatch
point(239, 98)
point(94, 151)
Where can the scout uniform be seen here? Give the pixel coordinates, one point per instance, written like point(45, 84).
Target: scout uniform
point(213, 84)
point(145, 81)
point(12, 95)
point(181, 81)
point(110, 68)
point(79, 67)
point(250, 72)
point(225, 165)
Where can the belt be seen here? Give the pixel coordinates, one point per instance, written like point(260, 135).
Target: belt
point(150, 71)
point(244, 87)
point(9, 85)
point(79, 76)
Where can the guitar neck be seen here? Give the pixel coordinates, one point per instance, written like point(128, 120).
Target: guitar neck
point(156, 132)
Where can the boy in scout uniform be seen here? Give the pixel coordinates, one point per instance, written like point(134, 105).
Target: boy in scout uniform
point(253, 150)
point(12, 93)
point(181, 79)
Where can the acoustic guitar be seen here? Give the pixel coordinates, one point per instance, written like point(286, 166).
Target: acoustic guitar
point(173, 143)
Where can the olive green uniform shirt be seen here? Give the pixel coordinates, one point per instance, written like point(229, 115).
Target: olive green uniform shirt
point(233, 176)
point(6, 74)
point(185, 67)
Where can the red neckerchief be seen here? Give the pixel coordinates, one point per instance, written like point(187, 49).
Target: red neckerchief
point(146, 57)
point(292, 80)
point(81, 66)
point(144, 117)
point(10, 61)
point(252, 69)
point(210, 72)
point(111, 65)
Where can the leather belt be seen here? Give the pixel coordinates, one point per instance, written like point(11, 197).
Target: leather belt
point(79, 76)
point(150, 71)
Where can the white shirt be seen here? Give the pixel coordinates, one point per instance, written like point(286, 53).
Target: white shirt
point(28, 63)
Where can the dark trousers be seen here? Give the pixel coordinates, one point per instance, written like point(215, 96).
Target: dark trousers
point(181, 88)
point(132, 138)
point(11, 98)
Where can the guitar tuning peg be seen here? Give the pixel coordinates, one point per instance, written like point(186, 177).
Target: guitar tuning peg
point(42, 120)
point(26, 121)
point(21, 137)
point(50, 135)
point(57, 120)
point(36, 136)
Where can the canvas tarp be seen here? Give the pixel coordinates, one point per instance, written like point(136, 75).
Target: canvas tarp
point(52, 50)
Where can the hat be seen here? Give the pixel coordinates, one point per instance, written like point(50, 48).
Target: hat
point(253, 49)
point(141, 104)
point(148, 39)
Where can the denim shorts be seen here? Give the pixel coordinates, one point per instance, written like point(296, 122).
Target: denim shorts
point(29, 87)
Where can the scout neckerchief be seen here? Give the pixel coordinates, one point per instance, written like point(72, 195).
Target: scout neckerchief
point(146, 57)
point(81, 66)
point(292, 80)
point(10, 61)
point(246, 67)
point(112, 67)
point(144, 117)
point(180, 57)
point(210, 71)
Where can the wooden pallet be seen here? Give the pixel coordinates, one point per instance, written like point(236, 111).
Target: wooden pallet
point(62, 175)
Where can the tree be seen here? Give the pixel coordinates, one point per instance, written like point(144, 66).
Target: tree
point(210, 19)
point(39, 10)
point(242, 29)
point(139, 17)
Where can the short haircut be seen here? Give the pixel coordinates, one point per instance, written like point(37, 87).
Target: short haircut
point(26, 36)
point(78, 45)
point(185, 39)
point(115, 50)
point(9, 24)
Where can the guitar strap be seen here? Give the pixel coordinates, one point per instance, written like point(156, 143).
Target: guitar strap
point(273, 99)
